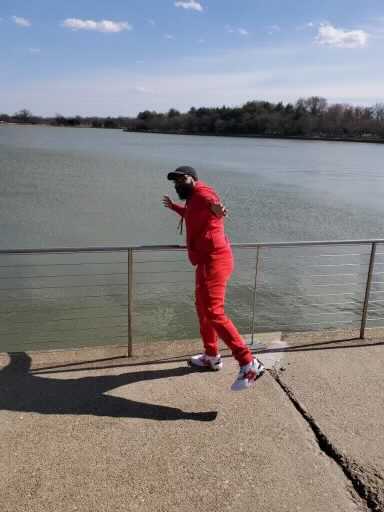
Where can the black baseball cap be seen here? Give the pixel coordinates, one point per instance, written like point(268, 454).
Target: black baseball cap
point(184, 170)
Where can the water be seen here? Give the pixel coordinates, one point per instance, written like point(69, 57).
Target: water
point(83, 187)
point(63, 186)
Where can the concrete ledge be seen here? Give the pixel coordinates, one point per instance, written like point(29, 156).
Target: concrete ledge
point(184, 348)
point(155, 350)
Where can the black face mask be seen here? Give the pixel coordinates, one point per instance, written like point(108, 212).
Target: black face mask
point(184, 190)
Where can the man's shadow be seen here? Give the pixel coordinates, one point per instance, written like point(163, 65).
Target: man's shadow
point(22, 391)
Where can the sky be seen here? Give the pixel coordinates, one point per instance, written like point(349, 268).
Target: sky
point(119, 57)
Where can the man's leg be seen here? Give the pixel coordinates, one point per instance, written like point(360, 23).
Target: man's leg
point(213, 279)
point(207, 331)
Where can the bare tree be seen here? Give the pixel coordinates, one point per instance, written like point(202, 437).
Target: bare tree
point(23, 116)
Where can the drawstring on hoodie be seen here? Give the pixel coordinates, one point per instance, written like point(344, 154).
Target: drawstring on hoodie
point(181, 222)
point(180, 225)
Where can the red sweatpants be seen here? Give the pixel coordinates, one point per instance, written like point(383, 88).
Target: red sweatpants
point(211, 283)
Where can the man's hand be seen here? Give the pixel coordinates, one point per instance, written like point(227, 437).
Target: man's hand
point(219, 209)
point(167, 202)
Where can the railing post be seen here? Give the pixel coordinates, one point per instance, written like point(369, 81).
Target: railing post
point(368, 291)
point(254, 294)
point(130, 301)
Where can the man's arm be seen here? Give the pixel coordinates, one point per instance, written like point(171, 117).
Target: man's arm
point(213, 202)
point(168, 203)
point(219, 209)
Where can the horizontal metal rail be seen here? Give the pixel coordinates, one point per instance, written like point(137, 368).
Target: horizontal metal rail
point(255, 245)
point(312, 271)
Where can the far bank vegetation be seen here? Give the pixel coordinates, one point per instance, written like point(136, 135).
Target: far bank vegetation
point(309, 117)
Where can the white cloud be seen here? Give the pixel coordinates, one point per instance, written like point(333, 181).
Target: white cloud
point(21, 22)
point(273, 29)
point(190, 4)
point(97, 26)
point(169, 36)
point(142, 89)
point(305, 26)
point(238, 30)
point(329, 35)
point(152, 22)
point(34, 50)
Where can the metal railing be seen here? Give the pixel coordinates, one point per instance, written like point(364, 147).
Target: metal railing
point(290, 286)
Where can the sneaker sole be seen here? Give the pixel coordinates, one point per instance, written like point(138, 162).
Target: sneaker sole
point(203, 368)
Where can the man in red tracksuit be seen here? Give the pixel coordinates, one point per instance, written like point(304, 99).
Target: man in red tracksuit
point(210, 251)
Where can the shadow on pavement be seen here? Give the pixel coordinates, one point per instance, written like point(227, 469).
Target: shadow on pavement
point(22, 391)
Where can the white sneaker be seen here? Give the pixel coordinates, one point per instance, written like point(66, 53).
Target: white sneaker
point(248, 375)
point(209, 362)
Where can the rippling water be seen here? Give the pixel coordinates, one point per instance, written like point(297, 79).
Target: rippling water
point(79, 187)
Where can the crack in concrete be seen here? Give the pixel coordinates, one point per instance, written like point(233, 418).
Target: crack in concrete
point(368, 484)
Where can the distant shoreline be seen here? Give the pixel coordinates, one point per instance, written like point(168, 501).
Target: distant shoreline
point(256, 136)
point(224, 135)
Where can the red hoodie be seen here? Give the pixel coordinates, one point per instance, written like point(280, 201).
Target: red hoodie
point(205, 231)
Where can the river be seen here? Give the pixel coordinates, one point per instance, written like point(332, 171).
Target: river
point(90, 187)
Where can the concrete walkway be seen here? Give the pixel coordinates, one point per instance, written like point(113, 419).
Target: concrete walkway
point(113, 434)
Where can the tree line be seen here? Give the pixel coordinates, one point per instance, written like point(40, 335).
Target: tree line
point(308, 117)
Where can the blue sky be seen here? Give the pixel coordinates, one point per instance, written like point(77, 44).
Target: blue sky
point(93, 57)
